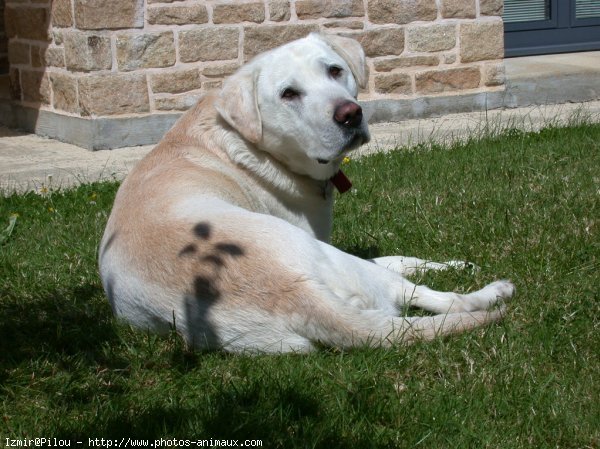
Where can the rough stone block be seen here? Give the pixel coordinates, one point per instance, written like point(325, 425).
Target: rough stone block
point(449, 58)
point(211, 85)
point(279, 11)
point(62, 14)
point(57, 36)
point(64, 88)
point(86, 51)
point(239, 12)
point(381, 41)
point(315, 9)
point(347, 24)
point(431, 38)
point(109, 14)
point(438, 81)
point(176, 102)
point(47, 56)
point(113, 94)
point(481, 41)
point(259, 39)
point(458, 9)
point(401, 12)
point(141, 51)
point(27, 22)
point(5, 90)
point(389, 64)
point(177, 15)
point(220, 71)
point(491, 7)
point(35, 86)
point(14, 76)
point(18, 53)
point(493, 74)
point(176, 82)
point(4, 65)
point(393, 83)
point(209, 44)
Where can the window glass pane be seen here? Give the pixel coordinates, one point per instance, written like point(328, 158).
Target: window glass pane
point(587, 9)
point(527, 10)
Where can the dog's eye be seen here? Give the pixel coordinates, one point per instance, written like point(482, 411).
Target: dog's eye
point(335, 71)
point(290, 94)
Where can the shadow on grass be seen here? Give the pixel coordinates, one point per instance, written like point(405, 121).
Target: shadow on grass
point(234, 412)
point(364, 252)
point(54, 324)
point(279, 416)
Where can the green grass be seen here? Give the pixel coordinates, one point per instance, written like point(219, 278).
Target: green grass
point(522, 206)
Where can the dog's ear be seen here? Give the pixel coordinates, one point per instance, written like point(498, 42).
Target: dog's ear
point(352, 52)
point(237, 104)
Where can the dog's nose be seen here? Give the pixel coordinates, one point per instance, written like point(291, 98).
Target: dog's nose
point(348, 114)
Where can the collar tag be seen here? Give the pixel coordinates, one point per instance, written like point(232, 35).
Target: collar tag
point(341, 182)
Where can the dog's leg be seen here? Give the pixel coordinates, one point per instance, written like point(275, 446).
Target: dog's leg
point(360, 301)
point(428, 328)
point(371, 287)
point(407, 266)
point(266, 285)
point(349, 327)
point(449, 302)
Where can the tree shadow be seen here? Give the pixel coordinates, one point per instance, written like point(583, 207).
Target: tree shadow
point(263, 409)
point(279, 415)
point(211, 258)
point(54, 324)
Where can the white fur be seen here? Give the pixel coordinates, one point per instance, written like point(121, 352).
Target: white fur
point(222, 230)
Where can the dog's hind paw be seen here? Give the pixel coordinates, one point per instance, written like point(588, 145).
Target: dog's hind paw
point(494, 294)
point(499, 291)
point(505, 289)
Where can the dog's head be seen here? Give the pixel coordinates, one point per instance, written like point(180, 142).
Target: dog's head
point(298, 103)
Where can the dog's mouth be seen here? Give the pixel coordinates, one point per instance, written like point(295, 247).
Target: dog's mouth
point(356, 141)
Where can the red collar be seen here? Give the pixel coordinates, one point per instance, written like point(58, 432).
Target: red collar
point(341, 182)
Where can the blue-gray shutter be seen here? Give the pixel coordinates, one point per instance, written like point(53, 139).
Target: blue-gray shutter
point(586, 9)
point(527, 10)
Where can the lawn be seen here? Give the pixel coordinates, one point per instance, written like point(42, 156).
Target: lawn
point(523, 206)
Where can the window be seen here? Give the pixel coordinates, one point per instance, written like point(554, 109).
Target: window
point(551, 26)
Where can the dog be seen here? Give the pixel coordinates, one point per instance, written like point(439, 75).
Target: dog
point(222, 231)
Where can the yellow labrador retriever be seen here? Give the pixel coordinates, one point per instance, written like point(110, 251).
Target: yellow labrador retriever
point(222, 229)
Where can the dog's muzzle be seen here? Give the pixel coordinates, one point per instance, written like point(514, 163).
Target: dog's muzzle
point(349, 117)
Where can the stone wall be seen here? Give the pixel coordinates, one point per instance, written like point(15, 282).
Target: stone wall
point(117, 58)
point(3, 43)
